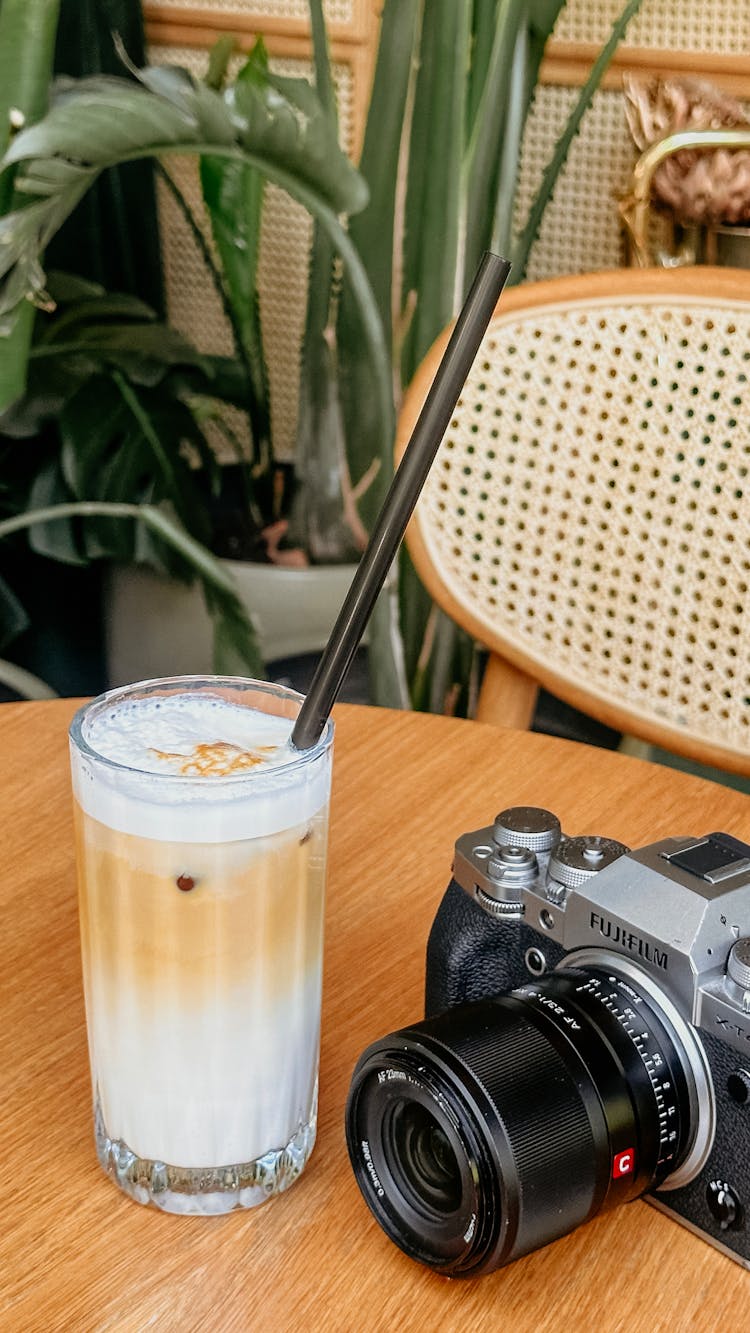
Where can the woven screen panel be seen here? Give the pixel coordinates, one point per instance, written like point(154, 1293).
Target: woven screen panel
point(192, 301)
point(580, 228)
point(589, 502)
point(336, 11)
point(668, 25)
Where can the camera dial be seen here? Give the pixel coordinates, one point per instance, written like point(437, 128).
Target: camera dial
point(527, 826)
point(576, 859)
point(738, 972)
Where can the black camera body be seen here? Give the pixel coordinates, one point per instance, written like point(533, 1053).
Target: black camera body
point(584, 1004)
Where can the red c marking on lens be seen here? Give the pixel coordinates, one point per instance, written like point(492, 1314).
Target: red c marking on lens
point(623, 1163)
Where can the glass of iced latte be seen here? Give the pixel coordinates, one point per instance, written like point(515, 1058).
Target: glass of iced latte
point(201, 846)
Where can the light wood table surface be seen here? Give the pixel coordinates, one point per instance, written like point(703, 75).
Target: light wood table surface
point(76, 1254)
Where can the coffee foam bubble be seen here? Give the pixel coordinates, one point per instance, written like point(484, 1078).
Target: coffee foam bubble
point(194, 767)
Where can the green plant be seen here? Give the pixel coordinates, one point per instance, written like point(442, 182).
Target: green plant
point(111, 415)
point(27, 40)
point(453, 85)
point(130, 402)
point(454, 82)
point(260, 123)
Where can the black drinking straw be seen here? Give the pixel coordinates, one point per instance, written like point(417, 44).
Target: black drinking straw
point(400, 501)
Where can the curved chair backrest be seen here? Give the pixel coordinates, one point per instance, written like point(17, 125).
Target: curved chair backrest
point(587, 516)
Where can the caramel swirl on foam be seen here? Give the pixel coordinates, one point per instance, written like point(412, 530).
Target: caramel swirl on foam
point(218, 759)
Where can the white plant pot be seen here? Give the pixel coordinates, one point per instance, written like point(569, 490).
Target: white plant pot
point(155, 626)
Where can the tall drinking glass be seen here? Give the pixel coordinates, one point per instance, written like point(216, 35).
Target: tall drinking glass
point(201, 849)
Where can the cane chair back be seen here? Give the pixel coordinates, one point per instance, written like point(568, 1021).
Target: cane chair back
point(586, 518)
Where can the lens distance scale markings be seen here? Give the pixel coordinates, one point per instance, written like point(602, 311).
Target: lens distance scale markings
point(623, 1003)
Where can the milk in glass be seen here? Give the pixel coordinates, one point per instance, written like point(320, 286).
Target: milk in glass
point(201, 847)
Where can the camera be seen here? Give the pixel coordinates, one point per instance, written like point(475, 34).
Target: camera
point(586, 1042)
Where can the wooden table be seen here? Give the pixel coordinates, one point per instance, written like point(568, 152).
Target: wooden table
point(75, 1254)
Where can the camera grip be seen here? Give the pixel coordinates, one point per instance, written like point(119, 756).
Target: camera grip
point(470, 954)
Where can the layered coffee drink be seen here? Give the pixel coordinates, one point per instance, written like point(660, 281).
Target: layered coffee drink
point(201, 846)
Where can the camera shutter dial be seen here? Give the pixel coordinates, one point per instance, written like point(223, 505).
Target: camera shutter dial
point(577, 859)
point(527, 826)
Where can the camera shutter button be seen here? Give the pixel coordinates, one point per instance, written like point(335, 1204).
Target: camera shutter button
point(512, 865)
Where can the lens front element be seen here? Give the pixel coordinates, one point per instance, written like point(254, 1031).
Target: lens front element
point(418, 1161)
point(422, 1159)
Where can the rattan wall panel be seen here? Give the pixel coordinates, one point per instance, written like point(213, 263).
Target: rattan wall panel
point(336, 11)
point(193, 304)
point(580, 229)
point(668, 25)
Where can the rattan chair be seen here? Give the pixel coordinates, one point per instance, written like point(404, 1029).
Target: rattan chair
point(586, 518)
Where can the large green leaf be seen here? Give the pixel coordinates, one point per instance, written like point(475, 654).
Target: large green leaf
point(56, 540)
point(431, 228)
point(233, 194)
point(277, 126)
point(373, 231)
point(144, 350)
point(91, 330)
point(235, 638)
point(91, 422)
point(27, 43)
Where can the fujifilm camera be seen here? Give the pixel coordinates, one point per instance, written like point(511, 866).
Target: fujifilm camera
point(587, 1042)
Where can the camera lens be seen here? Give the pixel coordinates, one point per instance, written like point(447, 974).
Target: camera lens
point(496, 1127)
point(423, 1160)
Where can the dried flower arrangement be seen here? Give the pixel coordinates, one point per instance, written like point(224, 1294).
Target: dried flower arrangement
point(708, 185)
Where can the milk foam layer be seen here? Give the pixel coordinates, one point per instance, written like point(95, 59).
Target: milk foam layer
point(158, 790)
point(159, 734)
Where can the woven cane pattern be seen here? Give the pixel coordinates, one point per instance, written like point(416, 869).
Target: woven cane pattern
point(336, 11)
point(589, 503)
point(192, 301)
point(580, 228)
point(668, 25)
